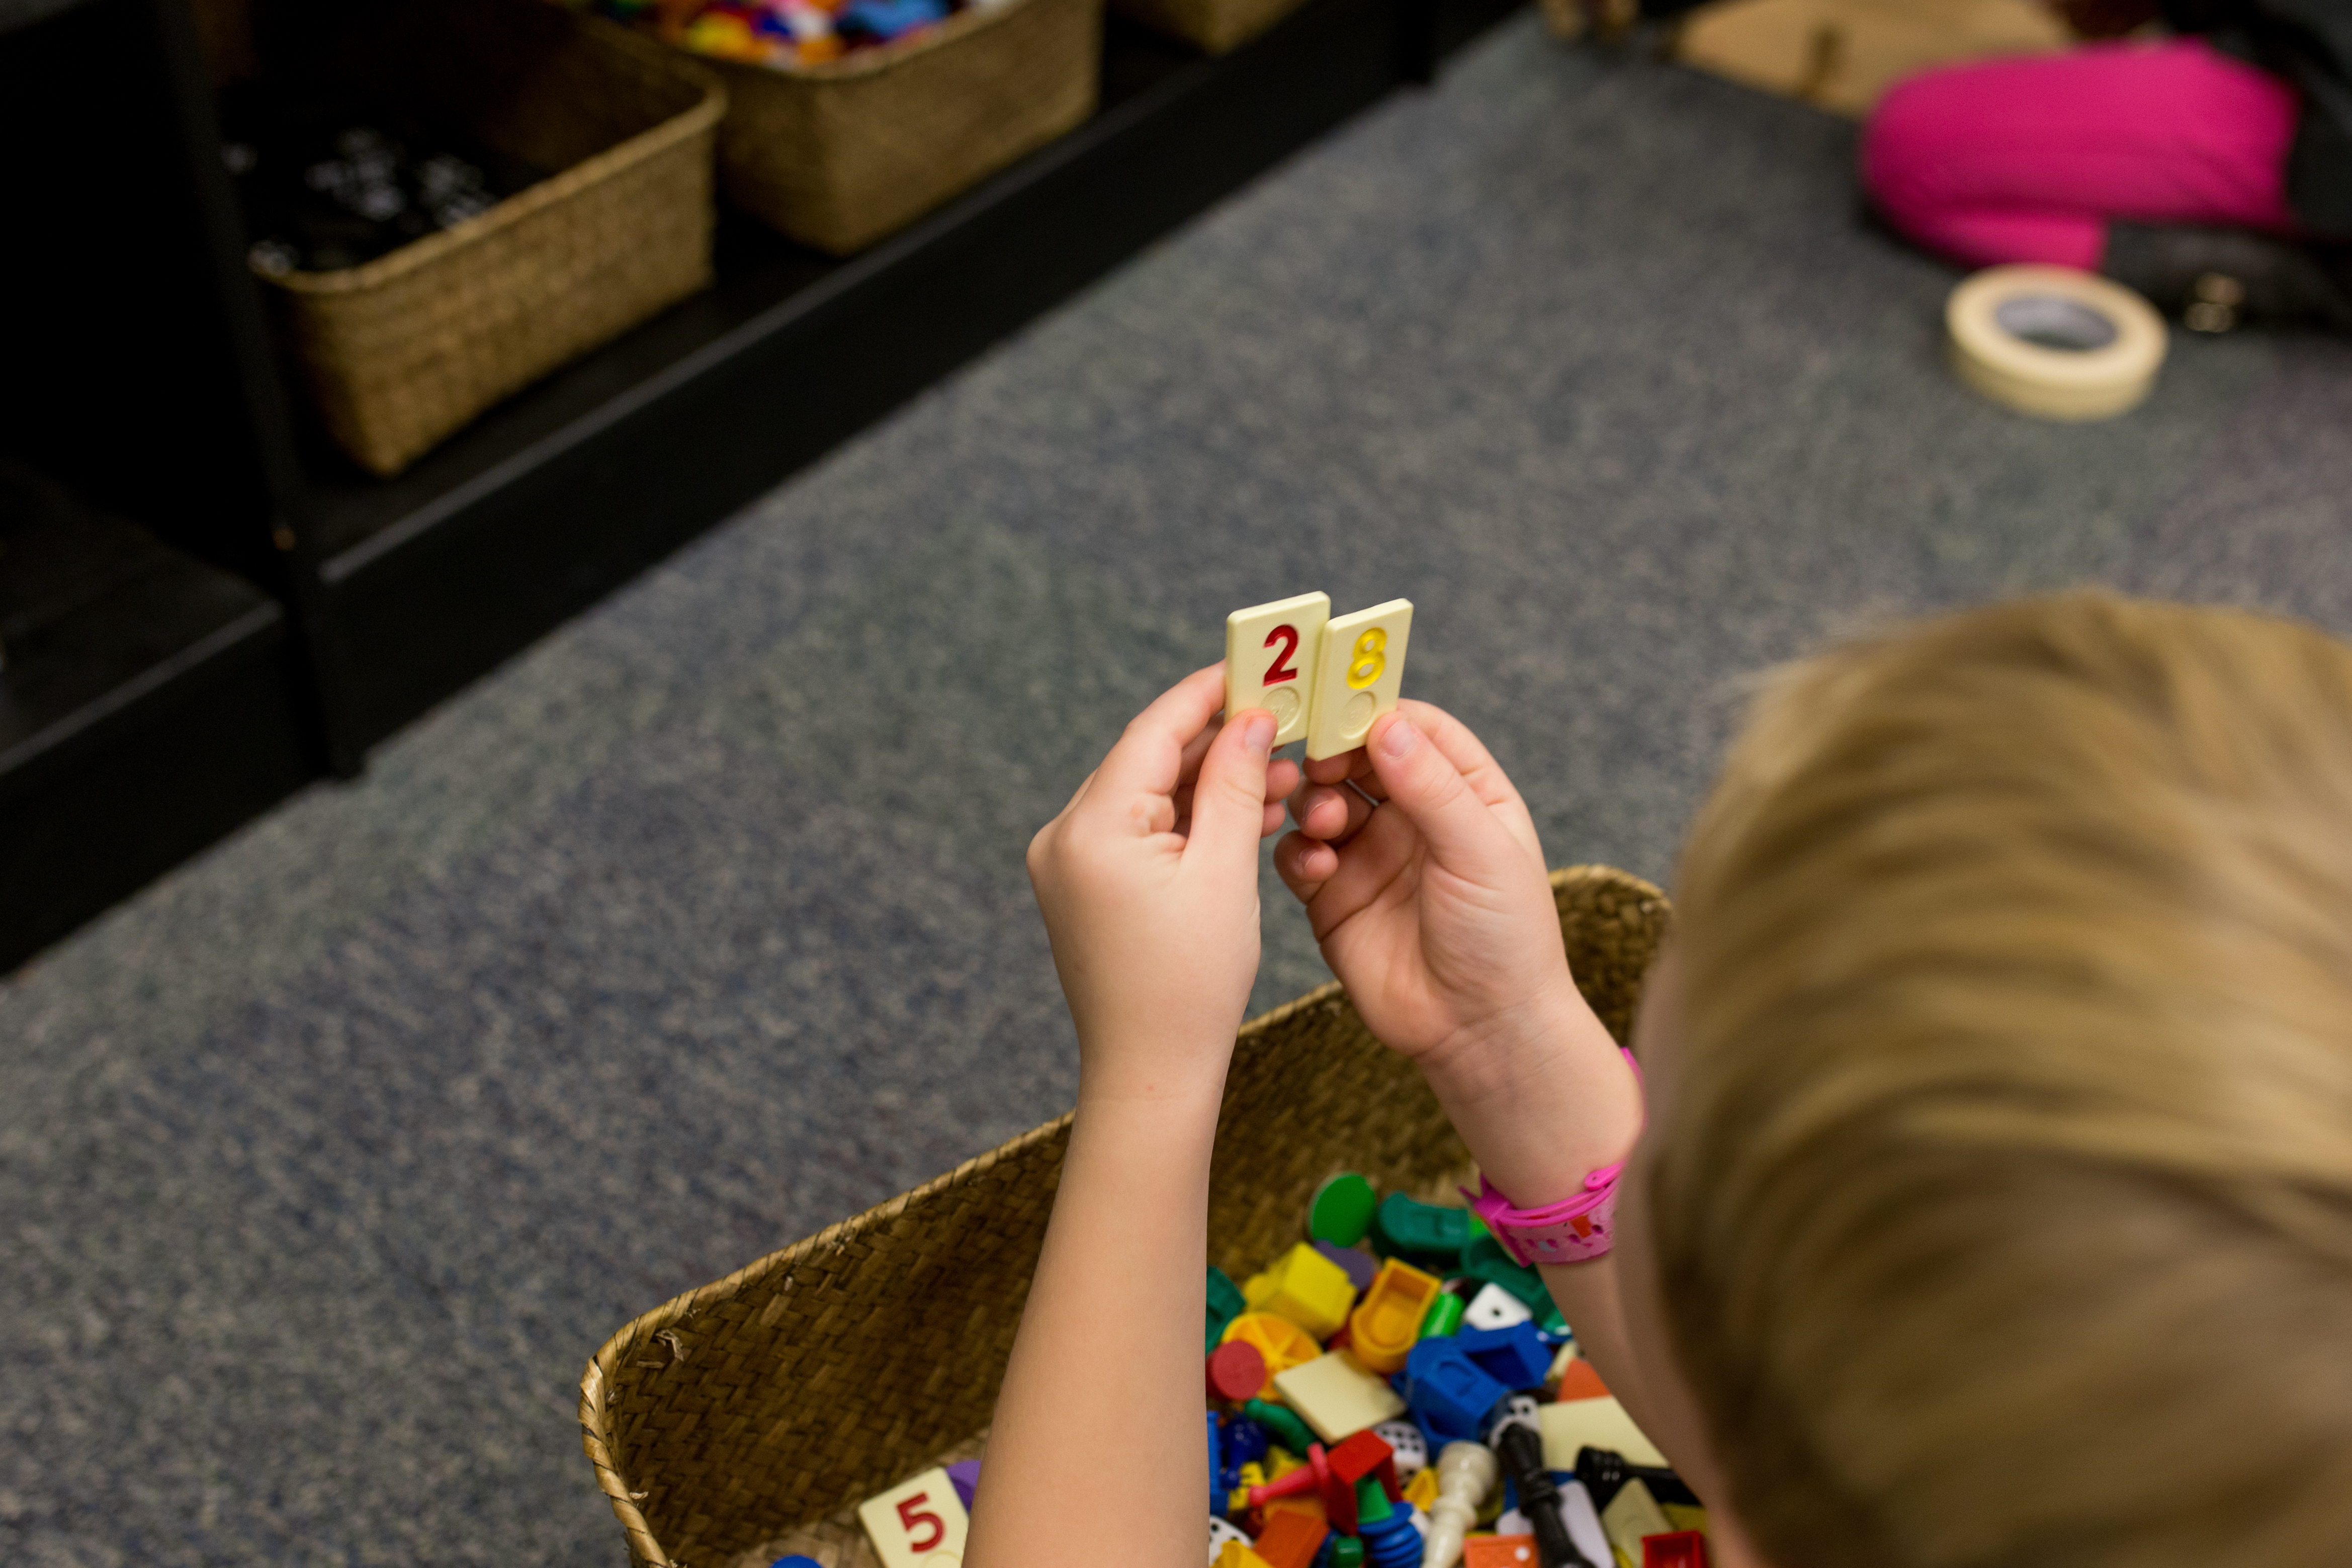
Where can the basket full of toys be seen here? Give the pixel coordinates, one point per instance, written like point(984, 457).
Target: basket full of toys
point(451, 198)
point(849, 119)
point(1383, 1378)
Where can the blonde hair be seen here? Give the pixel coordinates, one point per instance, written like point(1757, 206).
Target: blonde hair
point(2004, 1208)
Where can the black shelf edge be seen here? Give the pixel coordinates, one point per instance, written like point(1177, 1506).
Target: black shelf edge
point(422, 602)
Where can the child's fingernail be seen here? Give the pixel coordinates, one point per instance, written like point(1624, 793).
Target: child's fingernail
point(1259, 734)
point(1399, 738)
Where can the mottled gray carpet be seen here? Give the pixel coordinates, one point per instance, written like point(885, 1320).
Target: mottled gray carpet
point(325, 1163)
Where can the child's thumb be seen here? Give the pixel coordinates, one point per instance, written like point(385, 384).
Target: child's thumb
point(1229, 795)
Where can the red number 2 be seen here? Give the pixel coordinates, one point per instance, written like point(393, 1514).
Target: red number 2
point(1280, 670)
point(909, 1517)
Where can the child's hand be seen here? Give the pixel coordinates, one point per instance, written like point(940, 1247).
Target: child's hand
point(1149, 883)
point(1432, 903)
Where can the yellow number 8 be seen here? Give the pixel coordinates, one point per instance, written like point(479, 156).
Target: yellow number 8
point(1366, 662)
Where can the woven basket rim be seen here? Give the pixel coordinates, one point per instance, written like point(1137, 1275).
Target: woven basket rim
point(892, 56)
point(596, 1425)
point(683, 126)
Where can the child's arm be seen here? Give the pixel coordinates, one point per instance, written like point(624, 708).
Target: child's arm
point(1148, 884)
point(1435, 907)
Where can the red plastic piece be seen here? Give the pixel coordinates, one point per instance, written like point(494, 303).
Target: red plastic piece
point(1367, 1454)
point(1290, 1540)
point(1674, 1549)
point(1236, 1372)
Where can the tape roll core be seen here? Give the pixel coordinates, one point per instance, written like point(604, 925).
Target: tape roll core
point(2055, 342)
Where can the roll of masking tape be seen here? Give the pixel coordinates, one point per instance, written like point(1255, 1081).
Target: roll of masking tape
point(2055, 342)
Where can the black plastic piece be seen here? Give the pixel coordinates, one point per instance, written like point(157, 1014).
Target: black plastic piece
point(1605, 1471)
point(1520, 1448)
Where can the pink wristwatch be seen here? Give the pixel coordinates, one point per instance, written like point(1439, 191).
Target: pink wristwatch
point(1573, 1230)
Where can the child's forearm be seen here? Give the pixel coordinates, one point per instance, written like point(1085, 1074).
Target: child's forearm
point(1098, 1444)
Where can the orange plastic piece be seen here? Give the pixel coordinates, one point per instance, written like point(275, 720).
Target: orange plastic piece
point(1499, 1551)
point(1291, 1540)
point(1282, 1342)
point(1306, 1506)
point(1580, 1382)
point(1385, 1325)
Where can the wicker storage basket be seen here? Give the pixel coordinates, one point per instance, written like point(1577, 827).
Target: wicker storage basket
point(1217, 27)
point(749, 1418)
point(838, 155)
point(403, 350)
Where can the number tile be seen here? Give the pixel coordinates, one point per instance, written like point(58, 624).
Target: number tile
point(1358, 677)
point(1270, 651)
point(918, 1523)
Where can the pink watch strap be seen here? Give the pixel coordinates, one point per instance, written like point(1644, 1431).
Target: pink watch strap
point(1573, 1230)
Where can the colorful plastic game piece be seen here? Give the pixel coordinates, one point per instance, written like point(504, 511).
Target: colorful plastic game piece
point(1346, 1551)
point(1365, 1456)
point(1406, 1443)
point(796, 1561)
point(1342, 1209)
point(1464, 1474)
point(1236, 1372)
point(918, 1521)
point(1674, 1549)
point(1305, 1287)
point(1448, 1392)
point(1514, 1356)
point(1272, 652)
point(1423, 1229)
point(1421, 1488)
point(1443, 1317)
point(1384, 1328)
point(964, 1476)
point(1357, 677)
point(1631, 1514)
point(1221, 1533)
point(1356, 1263)
point(1282, 1342)
point(1336, 1396)
point(1283, 1426)
point(1683, 1516)
point(1500, 1551)
point(1387, 1530)
point(1578, 1381)
point(1291, 1540)
point(1496, 1308)
point(1226, 1302)
point(1592, 1423)
point(1233, 1554)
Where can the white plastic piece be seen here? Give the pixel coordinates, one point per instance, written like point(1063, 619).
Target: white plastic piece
point(2055, 342)
point(1222, 1530)
point(1511, 1521)
point(1358, 677)
point(1336, 1396)
point(1466, 1473)
point(1404, 1439)
point(918, 1523)
point(1496, 1308)
point(1272, 652)
point(1584, 1521)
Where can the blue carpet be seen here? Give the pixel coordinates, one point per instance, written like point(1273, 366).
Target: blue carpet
point(326, 1163)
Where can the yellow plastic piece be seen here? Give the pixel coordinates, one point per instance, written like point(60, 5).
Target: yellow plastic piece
point(1631, 1514)
point(1684, 1516)
point(1236, 1555)
point(1338, 1397)
point(1305, 1287)
point(1595, 1424)
point(1383, 1329)
point(1282, 1342)
point(1280, 1461)
point(1421, 1490)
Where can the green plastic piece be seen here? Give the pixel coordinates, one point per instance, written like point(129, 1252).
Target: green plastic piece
point(1423, 1229)
point(1226, 1302)
point(1347, 1553)
point(1285, 1425)
point(1372, 1503)
point(1342, 1210)
point(1443, 1317)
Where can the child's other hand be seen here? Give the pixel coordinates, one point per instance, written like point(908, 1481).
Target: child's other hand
point(1148, 884)
point(1433, 906)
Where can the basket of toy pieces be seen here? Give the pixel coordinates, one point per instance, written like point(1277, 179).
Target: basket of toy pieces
point(831, 1399)
point(850, 119)
point(451, 198)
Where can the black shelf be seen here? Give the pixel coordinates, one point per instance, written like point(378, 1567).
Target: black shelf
point(276, 611)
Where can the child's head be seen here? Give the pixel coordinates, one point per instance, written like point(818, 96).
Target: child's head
point(2001, 1186)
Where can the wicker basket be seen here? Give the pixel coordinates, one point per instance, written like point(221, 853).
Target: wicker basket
point(1218, 26)
point(840, 154)
point(402, 351)
point(749, 1418)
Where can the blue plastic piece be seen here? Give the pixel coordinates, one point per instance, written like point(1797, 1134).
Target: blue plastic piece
point(1245, 1440)
point(890, 18)
point(1217, 1498)
point(1448, 1392)
point(1392, 1542)
point(796, 1561)
point(1514, 1357)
